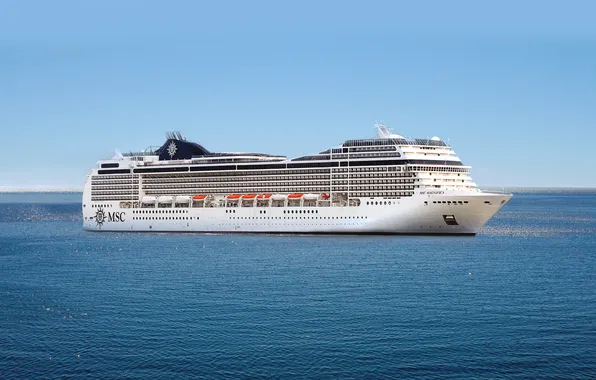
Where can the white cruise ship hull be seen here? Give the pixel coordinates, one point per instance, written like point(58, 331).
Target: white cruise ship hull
point(447, 214)
point(386, 185)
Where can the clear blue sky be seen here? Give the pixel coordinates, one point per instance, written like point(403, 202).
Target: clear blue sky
point(512, 85)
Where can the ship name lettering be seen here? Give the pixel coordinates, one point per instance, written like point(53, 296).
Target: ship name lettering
point(116, 216)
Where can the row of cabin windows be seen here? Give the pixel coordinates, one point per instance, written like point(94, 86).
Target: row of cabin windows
point(325, 171)
point(373, 148)
point(281, 187)
point(216, 176)
point(172, 185)
point(114, 198)
point(157, 211)
point(113, 177)
point(114, 183)
point(451, 202)
point(300, 211)
point(177, 179)
point(112, 187)
point(437, 169)
point(282, 172)
point(281, 184)
point(368, 190)
point(299, 217)
point(235, 185)
point(235, 173)
point(448, 180)
point(285, 211)
point(244, 190)
point(108, 192)
point(395, 195)
point(380, 203)
point(353, 192)
point(339, 156)
point(164, 218)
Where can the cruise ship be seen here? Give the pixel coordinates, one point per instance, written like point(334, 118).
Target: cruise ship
point(383, 185)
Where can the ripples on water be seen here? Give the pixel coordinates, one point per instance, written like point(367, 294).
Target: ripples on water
point(517, 301)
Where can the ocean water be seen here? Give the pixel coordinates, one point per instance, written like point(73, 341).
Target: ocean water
point(517, 301)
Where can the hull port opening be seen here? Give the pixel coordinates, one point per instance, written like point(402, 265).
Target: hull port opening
point(450, 220)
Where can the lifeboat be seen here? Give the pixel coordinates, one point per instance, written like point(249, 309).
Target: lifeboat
point(311, 197)
point(263, 196)
point(279, 197)
point(249, 196)
point(149, 200)
point(295, 196)
point(325, 196)
point(199, 197)
point(165, 199)
point(182, 199)
point(234, 196)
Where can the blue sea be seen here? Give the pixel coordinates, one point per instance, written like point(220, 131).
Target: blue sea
point(517, 301)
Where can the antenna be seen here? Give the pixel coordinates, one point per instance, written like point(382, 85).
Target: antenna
point(175, 135)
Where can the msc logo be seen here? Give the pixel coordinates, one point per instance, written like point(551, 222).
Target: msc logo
point(102, 217)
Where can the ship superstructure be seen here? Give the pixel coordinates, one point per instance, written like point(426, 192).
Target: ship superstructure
point(388, 184)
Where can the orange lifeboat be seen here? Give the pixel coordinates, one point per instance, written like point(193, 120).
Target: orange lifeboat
point(325, 196)
point(234, 196)
point(263, 196)
point(249, 196)
point(199, 197)
point(295, 196)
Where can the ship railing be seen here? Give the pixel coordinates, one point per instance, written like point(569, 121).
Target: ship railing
point(138, 154)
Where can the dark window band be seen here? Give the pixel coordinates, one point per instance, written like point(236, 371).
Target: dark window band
point(261, 166)
point(214, 168)
point(434, 162)
point(307, 165)
point(113, 171)
point(291, 165)
point(401, 162)
point(162, 170)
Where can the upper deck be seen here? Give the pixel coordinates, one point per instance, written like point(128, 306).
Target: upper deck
point(178, 151)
